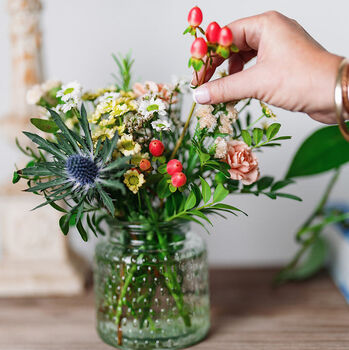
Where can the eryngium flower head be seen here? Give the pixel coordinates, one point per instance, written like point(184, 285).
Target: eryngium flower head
point(82, 170)
point(84, 176)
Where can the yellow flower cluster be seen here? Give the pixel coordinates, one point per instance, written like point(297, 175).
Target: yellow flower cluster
point(92, 95)
point(108, 112)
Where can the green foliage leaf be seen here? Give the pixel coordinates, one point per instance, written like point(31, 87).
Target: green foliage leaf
point(172, 188)
point(16, 177)
point(220, 193)
point(66, 132)
point(162, 169)
point(324, 150)
point(281, 184)
point(257, 135)
point(162, 188)
point(205, 190)
point(86, 127)
point(82, 231)
point(272, 130)
point(44, 125)
point(187, 30)
point(64, 223)
point(115, 185)
point(90, 225)
point(195, 188)
point(107, 201)
point(201, 215)
point(228, 207)
point(190, 202)
point(289, 196)
point(264, 182)
point(204, 157)
point(45, 145)
point(246, 137)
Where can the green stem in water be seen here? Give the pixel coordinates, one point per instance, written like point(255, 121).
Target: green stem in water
point(123, 293)
point(170, 276)
point(185, 128)
point(171, 281)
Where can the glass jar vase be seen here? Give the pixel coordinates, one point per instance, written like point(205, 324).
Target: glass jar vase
point(151, 287)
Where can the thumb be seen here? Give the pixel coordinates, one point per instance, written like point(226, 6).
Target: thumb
point(244, 84)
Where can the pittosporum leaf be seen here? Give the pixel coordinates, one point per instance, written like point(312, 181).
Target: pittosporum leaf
point(45, 125)
point(246, 137)
point(206, 190)
point(272, 130)
point(220, 193)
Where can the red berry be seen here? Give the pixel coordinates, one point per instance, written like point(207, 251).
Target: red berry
point(212, 32)
point(198, 48)
point(225, 37)
point(174, 166)
point(144, 164)
point(156, 148)
point(178, 179)
point(195, 17)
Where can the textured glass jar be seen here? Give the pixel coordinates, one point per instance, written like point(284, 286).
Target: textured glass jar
point(151, 287)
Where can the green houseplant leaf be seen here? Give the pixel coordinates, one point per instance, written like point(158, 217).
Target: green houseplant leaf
point(324, 150)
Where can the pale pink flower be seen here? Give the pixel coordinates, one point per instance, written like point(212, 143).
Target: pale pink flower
point(143, 89)
point(221, 148)
point(205, 116)
point(225, 126)
point(232, 112)
point(243, 163)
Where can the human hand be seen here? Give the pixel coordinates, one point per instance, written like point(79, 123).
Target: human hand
point(293, 71)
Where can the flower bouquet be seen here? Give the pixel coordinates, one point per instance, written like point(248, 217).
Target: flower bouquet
point(120, 160)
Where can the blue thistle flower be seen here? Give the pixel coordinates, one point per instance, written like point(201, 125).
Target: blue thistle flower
point(78, 172)
point(82, 170)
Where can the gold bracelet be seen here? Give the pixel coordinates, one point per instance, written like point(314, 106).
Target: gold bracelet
point(338, 98)
point(345, 87)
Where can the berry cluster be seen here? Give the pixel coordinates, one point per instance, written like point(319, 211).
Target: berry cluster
point(173, 168)
point(219, 40)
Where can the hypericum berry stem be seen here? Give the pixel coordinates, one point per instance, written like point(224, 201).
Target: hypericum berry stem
point(185, 128)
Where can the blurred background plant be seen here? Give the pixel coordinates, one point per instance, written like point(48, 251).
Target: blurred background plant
point(325, 150)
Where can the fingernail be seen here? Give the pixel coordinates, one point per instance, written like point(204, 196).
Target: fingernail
point(201, 95)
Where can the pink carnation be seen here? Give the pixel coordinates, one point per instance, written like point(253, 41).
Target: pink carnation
point(243, 163)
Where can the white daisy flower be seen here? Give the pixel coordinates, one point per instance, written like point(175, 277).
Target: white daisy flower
point(149, 106)
point(182, 83)
point(68, 106)
point(161, 125)
point(107, 97)
point(70, 91)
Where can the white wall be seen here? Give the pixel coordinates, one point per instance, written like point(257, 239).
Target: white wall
point(79, 37)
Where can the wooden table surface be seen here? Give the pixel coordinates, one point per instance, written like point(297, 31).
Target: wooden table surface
point(247, 314)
